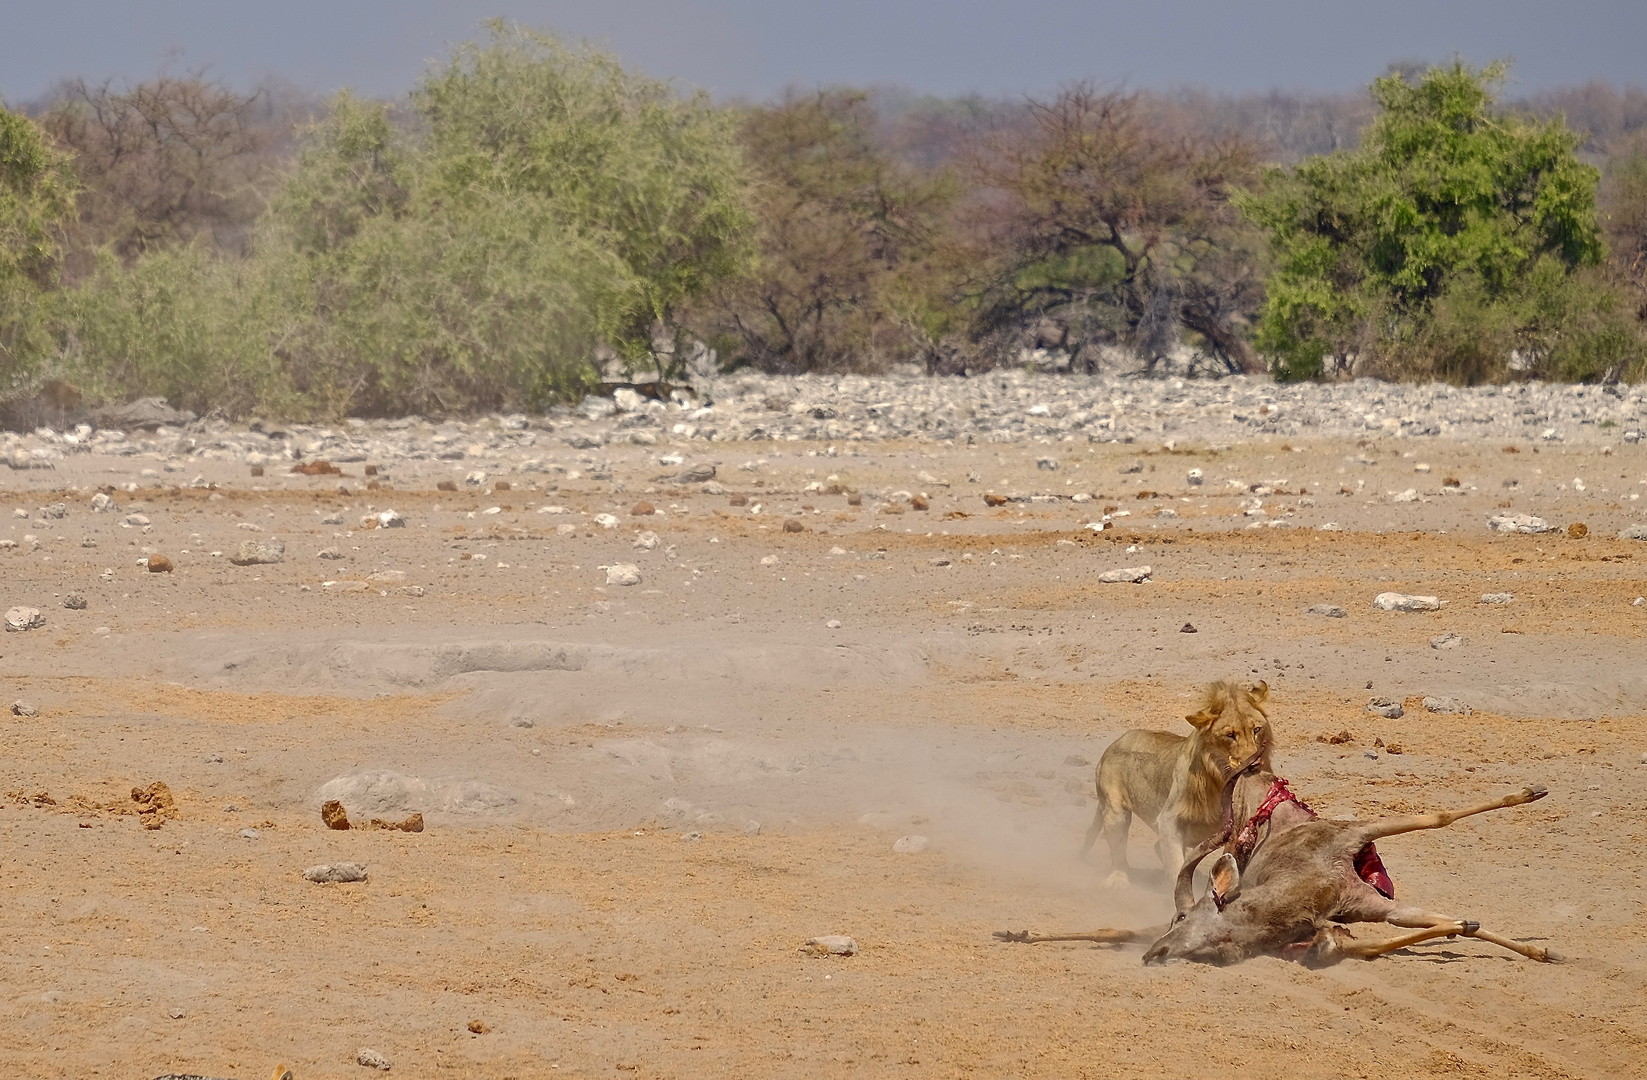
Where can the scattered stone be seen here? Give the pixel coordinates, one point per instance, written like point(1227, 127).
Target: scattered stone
point(24, 708)
point(159, 564)
point(333, 814)
point(259, 552)
point(1633, 532)
point(250, 834)
point(1410, 495)
point(1393, 601)
point(74, 602)
point(1370, 755)
point(144, 414)
point(642, 509)
point(1331, 611)
point(1076, 761)
point(1195, 478)
point(370, 1058)
point(1132, 575)
point(769, 560)
point(390, 519)
point(1132, 467)
point(1388, 708)
point(101, 503)
point(646, 541)
point(751, 828)
point(692, 837)
point(910, 845)
point(1517, 523)
point(336, 873)
point(1049, 464)
point(793, 526)
point(413, 823)
point(697, 474)
point(995, 500)
point(623, 574)
point(1188, 628)
point(1449, 640)
point(1345, 736)
point(1578, 530)
point(24, 618)
point(1446, 705)
point(1497, 597)
point(606, 521)
point(332, 554)
point(919, 502)
point(478, 1027)
point(833, 624)
point(832, 945)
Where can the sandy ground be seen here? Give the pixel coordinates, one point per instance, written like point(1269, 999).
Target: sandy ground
point(642, 801)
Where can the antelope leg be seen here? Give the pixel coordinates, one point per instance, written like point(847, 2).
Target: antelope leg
point(1366, 950)
point(1409, 916)
point(1106, 937)
point(1440, 819)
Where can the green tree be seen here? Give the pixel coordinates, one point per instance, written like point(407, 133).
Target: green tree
point(1453, 240)
point(622, 161)
point(37, 197)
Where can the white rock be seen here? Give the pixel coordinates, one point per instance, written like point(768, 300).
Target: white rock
point(1394, 601)
point(606, 521)
point(1517, 523)
point(769, 560)
point(833, 945)
point(371, 1059)
point(24, 618)
point(390, 519)
point(1449, 640)
point(623, 574)
point(1386, 707)
point(334, 873)
point(259, 552)
point(910, 845)
point(1132, 575)
point(646, 541)
point(1331, 611)
point(1497, 597)
point(1633, 532)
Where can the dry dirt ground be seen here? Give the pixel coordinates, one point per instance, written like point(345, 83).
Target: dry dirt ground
point(593, 761)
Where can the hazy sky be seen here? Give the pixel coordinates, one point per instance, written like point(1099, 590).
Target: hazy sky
point(757, 47)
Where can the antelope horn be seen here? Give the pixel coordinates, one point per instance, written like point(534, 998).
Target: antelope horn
point(1183, 895)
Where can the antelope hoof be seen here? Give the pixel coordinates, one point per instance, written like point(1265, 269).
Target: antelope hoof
point(1471, 926)
point(1117, 880)
point(1535, 793)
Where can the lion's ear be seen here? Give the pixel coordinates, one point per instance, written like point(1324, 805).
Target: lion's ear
point(1261, 692)
point(1202, 719)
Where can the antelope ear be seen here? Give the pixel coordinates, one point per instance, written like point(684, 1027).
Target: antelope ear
point(1225, 879)
point(1202, 719)
point(1261, 692)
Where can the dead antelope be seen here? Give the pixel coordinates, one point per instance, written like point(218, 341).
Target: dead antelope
point(1173, 782)
point(1287, 885)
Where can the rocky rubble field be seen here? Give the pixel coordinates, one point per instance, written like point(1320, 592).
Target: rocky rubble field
point(733, 726)
point(1007, 407)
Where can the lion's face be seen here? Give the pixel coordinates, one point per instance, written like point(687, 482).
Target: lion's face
point(1233, 725)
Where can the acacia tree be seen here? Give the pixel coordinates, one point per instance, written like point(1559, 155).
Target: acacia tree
point(1452, 240)
point(164, 162)
point(1120, 231)
point(837, 224)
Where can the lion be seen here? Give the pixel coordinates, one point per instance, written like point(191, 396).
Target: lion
point(1174, 782)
